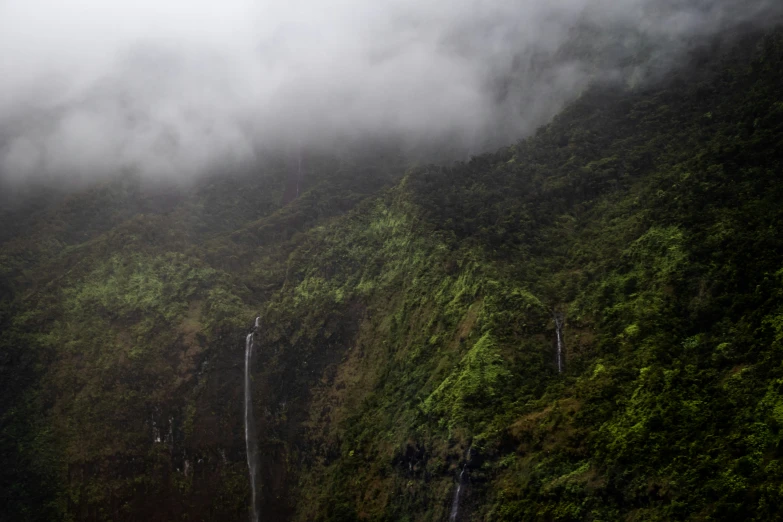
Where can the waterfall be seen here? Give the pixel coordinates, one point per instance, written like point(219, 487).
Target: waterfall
point(559, 329)
point(457, 493)
point(251, 444)
point(458, 490)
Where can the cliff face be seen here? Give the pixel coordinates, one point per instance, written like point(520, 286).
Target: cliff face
point(584, 326)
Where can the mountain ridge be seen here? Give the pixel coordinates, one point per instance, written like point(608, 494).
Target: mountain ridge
point(408, 329)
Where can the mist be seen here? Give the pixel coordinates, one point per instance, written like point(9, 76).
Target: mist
point(172, 89)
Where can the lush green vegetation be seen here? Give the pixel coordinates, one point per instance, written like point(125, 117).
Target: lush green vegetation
point(407, 327)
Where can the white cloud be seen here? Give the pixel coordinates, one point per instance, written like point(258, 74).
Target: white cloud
point(175, 87)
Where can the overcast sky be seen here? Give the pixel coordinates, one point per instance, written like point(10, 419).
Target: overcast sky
point(176, 87)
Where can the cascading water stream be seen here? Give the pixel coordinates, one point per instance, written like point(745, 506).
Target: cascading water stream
point(559, 329)
point(251, 444)
point(458, 491)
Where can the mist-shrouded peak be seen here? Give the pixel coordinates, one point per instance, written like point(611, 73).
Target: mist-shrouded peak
point(174, 88)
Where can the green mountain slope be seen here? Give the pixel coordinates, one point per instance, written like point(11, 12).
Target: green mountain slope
point(407, 355)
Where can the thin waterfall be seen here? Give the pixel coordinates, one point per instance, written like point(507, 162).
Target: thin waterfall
point(559, 330)
point(458, 491)
point(251, 444)
point(457, 494)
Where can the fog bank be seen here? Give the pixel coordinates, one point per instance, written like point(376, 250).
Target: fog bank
point(174, 88)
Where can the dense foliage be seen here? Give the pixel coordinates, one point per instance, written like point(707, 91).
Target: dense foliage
point(408, 332)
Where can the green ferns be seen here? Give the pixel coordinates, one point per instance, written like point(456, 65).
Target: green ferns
point(476, 383)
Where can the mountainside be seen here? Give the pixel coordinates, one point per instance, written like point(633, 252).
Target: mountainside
point(587, 325)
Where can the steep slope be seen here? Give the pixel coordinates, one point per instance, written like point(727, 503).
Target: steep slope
point(407, 359)
point(422, 330)
point(122, 310)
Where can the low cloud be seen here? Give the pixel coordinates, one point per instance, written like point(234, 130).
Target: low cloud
point(175, 88)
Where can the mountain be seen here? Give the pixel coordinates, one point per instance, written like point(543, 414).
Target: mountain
point(586, 325)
